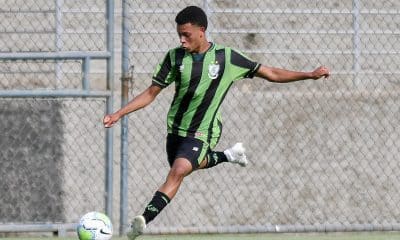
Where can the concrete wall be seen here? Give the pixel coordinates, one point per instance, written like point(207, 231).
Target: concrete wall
point(31, 162)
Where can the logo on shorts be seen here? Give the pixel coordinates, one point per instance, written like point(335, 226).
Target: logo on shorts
point(196, 149)
point(213, 70)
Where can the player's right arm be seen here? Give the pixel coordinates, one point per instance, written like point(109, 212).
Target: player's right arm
point(140, 101)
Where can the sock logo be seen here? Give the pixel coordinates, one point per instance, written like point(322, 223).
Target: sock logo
point(215, 156)
point(152, 208)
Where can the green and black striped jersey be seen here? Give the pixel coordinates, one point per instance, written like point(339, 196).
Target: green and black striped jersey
point(201, 83)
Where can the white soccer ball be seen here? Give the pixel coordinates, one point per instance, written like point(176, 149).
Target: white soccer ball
point(94, 226)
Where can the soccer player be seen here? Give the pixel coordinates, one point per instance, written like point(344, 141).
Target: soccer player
point(202, 72)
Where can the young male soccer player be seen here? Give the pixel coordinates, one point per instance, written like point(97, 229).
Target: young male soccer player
point(203, 73)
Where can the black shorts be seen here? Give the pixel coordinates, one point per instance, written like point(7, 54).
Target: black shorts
point(190, 148)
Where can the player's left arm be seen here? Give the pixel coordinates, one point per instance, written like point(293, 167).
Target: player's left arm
point(283, 76)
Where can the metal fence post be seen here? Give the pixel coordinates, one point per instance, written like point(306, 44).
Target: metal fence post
point(109, 109)
point(124, 122)
point(59, 43)
point(208, 11)
point(356, 39)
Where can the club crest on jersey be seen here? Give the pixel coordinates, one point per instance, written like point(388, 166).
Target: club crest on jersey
point(213, 70)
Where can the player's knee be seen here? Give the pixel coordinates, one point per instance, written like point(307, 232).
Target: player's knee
point(180, 169)
point(178, 172)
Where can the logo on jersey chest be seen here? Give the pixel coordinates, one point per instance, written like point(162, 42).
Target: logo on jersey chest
point(213, 70)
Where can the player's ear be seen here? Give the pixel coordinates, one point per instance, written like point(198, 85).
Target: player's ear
point(203, 31)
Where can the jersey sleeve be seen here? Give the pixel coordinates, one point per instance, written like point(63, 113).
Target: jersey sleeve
point(242, 66)
point(164, 73)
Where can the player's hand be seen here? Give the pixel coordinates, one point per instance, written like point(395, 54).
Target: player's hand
point(110, 119)
point(320, 72)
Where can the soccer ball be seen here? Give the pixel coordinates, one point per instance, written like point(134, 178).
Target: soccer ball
point(94, 226)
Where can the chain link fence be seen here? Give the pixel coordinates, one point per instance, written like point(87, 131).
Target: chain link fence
point(51, 26)
point(53, 96)
point(40, 74)
point(323, 154)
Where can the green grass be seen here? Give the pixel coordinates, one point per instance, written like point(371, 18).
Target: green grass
point(282, 236)
point(273, 236)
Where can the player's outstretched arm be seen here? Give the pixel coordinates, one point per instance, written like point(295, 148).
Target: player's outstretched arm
point(283, 76)
point(140, 101)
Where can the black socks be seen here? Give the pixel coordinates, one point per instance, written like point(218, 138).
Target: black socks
point(158, 203)
point(160, 200)
point(215, 158)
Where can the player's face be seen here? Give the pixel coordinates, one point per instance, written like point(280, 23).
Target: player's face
point(190, 37)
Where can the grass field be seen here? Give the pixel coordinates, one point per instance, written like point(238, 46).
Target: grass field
point(276, 236)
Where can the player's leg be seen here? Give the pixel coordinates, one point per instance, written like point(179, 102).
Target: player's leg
point(212, 159)
point(181, 168)
point(183, 155)
point(235, 154)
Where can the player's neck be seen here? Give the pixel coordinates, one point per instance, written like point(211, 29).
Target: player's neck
point(203, 47)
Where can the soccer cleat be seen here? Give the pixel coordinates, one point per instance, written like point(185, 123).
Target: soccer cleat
point(236, 154)
point(137, 227)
